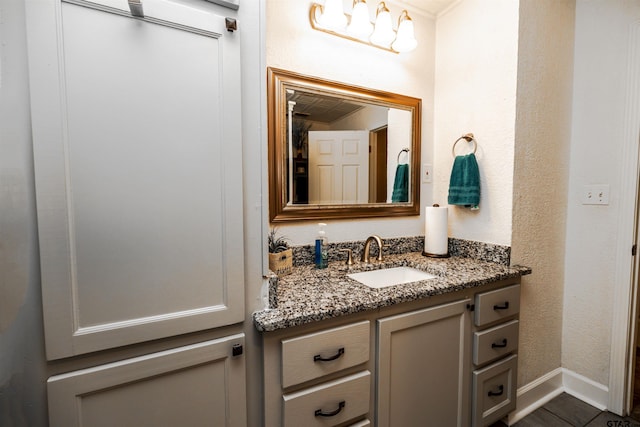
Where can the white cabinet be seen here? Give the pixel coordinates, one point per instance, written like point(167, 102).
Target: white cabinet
point(137, 150)
point(195, 385)
point(138, 173)
point(422, 368)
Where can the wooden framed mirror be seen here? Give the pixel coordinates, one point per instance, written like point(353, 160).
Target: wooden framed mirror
point(340, 151)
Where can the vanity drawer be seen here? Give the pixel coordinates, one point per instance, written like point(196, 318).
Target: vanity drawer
point(497, 305)
point(495, 342)
point(314, 355)
point(494, 391)
point(328, 404)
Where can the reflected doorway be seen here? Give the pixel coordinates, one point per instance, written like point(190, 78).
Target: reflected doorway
point(378, 165)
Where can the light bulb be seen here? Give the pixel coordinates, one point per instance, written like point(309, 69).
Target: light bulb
point(383, 33)
point(360, 25)
point(333, 15)
point(405, 40)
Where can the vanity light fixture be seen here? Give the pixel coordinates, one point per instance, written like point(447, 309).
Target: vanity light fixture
point(330, 18)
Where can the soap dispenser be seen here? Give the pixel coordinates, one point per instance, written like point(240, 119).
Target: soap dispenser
point(322, 249)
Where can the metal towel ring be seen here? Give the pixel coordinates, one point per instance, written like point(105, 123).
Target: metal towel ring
point(404, 150)
point(467, 137)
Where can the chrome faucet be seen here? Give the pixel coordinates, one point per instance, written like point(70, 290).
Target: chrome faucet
point(367, 245)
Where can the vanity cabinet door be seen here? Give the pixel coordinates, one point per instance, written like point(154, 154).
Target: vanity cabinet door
point(137, 152)
point(423, 367)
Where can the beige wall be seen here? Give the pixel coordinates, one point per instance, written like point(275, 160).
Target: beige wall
point(543, 132)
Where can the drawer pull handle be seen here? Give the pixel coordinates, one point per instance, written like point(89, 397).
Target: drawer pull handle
point(319, 412)
point(497, 393)
point(318, 358)
point(501, 344)
point(501, 307)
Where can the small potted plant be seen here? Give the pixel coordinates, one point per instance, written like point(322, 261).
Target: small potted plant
point(280, 254)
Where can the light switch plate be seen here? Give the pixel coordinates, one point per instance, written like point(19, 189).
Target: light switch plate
point(427, 173)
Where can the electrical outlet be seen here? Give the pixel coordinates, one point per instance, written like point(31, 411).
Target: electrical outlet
point(427, 173)
point(595, 194)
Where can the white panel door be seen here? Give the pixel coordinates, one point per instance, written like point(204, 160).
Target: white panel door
point(196, 385)
point(137, 146)
point(338, 167)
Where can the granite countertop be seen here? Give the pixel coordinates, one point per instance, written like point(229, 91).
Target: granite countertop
point(309, 295)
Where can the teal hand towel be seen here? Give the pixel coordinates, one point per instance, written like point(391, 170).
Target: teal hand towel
point(401, 184)
point(464, 186)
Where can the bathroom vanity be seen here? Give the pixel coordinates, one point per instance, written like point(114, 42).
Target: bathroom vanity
point(439, 352)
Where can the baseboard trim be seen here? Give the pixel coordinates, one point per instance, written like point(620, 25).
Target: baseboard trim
point(585, 389)
point(540, 391)
point(535, 394)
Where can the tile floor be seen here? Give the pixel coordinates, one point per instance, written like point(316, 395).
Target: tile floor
point(567, 411)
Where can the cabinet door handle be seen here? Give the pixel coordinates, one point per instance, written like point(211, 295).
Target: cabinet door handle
point(501, 344)
point(319, 412)
point(505, 306)
point(318, 358)
point(497, 393)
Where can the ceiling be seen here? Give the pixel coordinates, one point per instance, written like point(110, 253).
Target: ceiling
point(321, 108)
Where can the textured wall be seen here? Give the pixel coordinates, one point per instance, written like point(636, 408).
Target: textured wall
point(476, 63)
point(292, 44)
point(543, 132)
point(601, 55)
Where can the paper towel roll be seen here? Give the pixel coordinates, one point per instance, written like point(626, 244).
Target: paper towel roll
point(436, 232)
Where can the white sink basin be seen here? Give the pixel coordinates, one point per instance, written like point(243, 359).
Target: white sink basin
point(390, 276)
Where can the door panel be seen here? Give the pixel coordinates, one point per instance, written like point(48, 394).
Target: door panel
point(138, 172)
point(196, 385)
point(338, 167)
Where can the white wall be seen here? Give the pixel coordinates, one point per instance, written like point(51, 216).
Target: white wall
point(600, 78)
point(398, 134)
point(476, 66)
point(22, 365)
point(292, 44)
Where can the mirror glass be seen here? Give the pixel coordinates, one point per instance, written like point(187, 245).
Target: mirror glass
point(339, 151)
